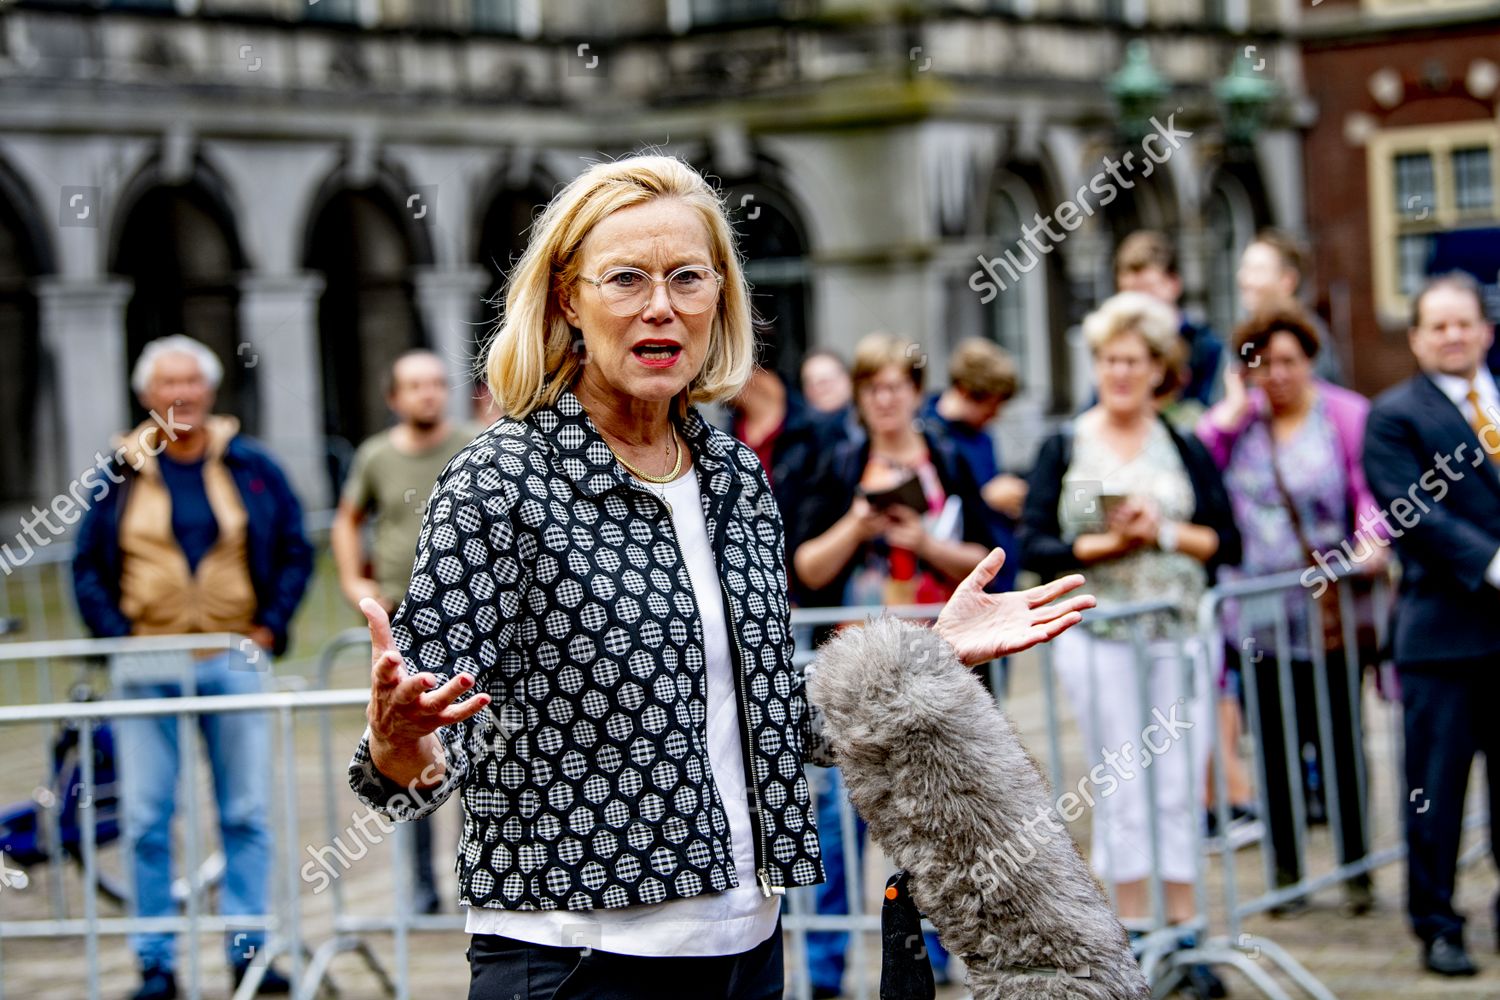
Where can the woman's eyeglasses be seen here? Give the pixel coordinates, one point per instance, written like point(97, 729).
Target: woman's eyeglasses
point(626, 290)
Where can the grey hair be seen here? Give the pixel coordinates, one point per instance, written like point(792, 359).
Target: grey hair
point(145, 365)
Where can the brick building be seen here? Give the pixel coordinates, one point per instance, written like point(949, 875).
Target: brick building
point(1402, 161)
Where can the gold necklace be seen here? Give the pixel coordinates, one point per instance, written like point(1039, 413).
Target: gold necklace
point(676, 466)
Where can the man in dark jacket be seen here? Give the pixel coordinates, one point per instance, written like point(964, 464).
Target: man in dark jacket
point(194, 530)
point(1432, 456)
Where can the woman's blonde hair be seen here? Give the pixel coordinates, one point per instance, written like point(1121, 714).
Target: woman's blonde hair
point(1133, 312)
point(533, 358)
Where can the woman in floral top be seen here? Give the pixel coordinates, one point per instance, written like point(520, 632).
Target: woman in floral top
point(1118, 490)
point(1311, 434)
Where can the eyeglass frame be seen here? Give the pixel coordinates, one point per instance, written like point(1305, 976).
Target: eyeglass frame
point(599, 281)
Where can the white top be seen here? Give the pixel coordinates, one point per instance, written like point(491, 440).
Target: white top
point(711, 923)
point(1456, 388)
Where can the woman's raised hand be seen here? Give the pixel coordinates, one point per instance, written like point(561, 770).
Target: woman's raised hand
point(404, 709)
point(981, 626)
point(1228, 413)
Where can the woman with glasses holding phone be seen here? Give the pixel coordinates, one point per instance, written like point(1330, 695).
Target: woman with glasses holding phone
point(594, 653)
point(891, 519)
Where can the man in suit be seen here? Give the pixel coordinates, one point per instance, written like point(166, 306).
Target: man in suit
point(1432, 457)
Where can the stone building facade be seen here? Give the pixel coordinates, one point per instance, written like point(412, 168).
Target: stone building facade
point(311, 187)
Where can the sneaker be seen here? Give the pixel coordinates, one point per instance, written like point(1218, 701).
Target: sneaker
point(157, 983)
point(1245, 828)
point(272, 983)
point(1202, 982)
point(1446, 957)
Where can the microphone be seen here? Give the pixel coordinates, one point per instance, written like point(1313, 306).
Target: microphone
point(955, 800)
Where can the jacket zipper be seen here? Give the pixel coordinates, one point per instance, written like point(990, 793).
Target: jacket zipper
point(757, 819)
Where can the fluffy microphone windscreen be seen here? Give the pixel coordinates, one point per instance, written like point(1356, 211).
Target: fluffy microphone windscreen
point(953, 798)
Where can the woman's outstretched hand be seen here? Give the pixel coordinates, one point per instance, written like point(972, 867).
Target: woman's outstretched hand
point(981, 626)
point(405, 709)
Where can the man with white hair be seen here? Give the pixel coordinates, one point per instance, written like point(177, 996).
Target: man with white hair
point(202, 533)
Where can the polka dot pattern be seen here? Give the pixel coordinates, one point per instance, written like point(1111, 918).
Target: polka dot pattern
point(556, 581)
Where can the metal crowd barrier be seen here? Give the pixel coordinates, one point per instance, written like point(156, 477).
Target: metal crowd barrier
point(1162, 960)
point(351, 932)
point(284, 935)
point(1222, 614)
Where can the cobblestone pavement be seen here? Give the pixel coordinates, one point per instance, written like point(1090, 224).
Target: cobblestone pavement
point(1368, 958)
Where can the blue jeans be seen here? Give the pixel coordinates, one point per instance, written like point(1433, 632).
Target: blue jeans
point(825, 949)
point(239, 754)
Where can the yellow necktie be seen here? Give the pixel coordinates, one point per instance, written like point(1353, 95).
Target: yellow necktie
point(1483, 425)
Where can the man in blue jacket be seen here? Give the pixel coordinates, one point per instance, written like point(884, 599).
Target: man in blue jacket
point(193, 529)
point(1432, 456)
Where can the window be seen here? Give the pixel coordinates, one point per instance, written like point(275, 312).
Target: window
point(1473, 189)
point(1410, 7)
point(336, 11)
point(1414, 187)
point(1412, 253)
point(1016, 316)
point(497, 15)
point(1231, 225)
point(771, 237)
point(1432, 194)
point(723, 11)
point(1006, 320)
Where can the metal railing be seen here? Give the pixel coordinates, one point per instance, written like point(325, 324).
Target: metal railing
point(282, 923)
point(354, 932)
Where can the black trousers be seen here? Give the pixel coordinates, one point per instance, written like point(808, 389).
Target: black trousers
point(423, 882)
point(1449, 716)
point(1348, 753)
point(501, 968)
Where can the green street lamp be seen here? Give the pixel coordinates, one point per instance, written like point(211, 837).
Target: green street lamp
point(1245, 93)
point(1137, 89)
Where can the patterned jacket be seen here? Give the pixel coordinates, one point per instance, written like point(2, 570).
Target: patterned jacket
point(554, 579)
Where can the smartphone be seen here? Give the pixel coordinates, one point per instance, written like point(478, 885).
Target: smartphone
point(1109, 503)
point(907, 493)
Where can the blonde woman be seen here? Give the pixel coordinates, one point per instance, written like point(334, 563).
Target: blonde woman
point(1142, 506)
point(594, 650)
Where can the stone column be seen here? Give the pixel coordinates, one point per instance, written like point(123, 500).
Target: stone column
point(279, 323)
point(449, 300)
point(82, 326)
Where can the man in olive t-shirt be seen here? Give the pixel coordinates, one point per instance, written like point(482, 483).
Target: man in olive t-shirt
point(392, 477)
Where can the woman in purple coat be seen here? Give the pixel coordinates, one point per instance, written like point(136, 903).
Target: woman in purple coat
point(1290, 446)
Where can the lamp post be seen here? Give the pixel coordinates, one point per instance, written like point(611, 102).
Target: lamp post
point(1245, 94)
point(1137, 89)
